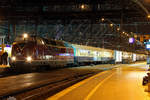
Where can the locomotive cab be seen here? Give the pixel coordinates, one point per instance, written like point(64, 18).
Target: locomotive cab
point(23, 48)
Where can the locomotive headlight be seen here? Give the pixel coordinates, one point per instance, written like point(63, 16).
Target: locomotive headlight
point(13, 58)
point(29, 59)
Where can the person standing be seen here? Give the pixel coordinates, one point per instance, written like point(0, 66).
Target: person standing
point(5, 58)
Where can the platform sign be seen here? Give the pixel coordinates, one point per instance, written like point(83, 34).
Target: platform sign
point(131, 40)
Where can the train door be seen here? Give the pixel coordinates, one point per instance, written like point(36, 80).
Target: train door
point(134, 57)
point(118, 56)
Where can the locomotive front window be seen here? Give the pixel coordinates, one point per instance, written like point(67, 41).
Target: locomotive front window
point(21, 45)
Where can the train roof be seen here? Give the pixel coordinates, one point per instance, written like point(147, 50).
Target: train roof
point(89, 47)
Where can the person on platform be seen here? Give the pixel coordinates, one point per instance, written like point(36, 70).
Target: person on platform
point(5, 58)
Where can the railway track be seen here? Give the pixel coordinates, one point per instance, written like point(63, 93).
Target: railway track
point(42, 91)
point(39, 86)
point(5, 72)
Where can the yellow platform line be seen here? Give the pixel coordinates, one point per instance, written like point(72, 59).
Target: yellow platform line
point(94, 90)
point(62, 93)
point(4, 66)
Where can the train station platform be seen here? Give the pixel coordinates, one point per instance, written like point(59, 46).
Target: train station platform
point(4, 66)
point(122, 83)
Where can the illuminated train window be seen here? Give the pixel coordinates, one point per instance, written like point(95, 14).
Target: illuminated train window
point(50, 42)
point(40, 41)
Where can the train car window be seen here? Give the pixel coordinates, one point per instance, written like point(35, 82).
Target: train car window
point(53, 42)
point(21, 45)
point(46, 41)
point(49, 41)
point(40, 41)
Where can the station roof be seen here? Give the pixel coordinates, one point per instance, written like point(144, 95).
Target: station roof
point(126, 10)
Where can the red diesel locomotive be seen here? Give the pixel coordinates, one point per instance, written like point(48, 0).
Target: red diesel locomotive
point(32, 51)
